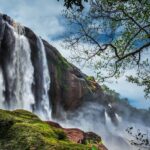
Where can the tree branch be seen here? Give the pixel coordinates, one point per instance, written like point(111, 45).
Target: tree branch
point(134, 52)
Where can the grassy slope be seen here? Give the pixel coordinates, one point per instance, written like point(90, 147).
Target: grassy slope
point(22, 130)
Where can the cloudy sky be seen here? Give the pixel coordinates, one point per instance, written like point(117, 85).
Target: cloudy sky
point(44, 18)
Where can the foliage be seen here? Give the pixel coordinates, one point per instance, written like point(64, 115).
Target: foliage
point(70, 3)
point(90, 78)
point(112, 37)
point(143, 78)
point(91, 82)
point(114, 96)
point(140, 140)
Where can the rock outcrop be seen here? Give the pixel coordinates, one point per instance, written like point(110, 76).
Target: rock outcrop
point(78, 136)
point(69, 87)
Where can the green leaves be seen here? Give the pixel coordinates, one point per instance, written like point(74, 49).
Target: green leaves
point(112, 37)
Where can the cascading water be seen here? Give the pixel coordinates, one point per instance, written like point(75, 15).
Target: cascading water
point(45, 82)
point(109, 105)
point(118, 117)
point(2, 89)
point(108, 119)
point(20, 75)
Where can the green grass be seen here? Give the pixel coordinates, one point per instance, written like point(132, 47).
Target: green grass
point(22, 130)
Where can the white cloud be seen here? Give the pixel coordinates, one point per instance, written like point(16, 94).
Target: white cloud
point(40, 15)
point(133, 92)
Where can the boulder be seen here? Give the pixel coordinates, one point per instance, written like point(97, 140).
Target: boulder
point(80, 137)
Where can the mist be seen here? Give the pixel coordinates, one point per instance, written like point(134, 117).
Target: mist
point(94, 117)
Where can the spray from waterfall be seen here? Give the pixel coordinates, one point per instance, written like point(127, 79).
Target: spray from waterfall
point(94, 117)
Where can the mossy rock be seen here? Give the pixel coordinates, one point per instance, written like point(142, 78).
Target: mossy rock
point(22, 130)
point(90, 78)
point(92, 83)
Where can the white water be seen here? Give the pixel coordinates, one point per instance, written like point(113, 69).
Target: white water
point(20, 72)
point(20, 76)
point(118, 118)
point(19, 29)
point(110, 105)
point(89, 119)
point(45, 102)
point(2, 89)
point(108, 120)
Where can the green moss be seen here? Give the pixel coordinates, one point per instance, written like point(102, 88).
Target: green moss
point(61, 66)
point(92, 83)
point(22, 130)
point(90, 78)
point(64, 62)
point(59, 72)
point(61, 69)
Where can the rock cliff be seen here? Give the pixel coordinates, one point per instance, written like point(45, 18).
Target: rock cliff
point(69, 87)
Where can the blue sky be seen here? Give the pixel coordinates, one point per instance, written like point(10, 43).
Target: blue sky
point(44, 18)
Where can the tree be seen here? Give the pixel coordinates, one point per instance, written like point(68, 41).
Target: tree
point(70, 3)
point(113, 36)
point(139, 139)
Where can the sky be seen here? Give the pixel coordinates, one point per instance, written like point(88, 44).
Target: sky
point(45, 19)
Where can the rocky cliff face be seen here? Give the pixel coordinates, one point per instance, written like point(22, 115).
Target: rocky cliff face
point(21, 50)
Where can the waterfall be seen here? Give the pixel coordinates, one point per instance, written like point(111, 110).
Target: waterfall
point(20, 73)
point(108, 119)
point(118, 117)
point(24, 72)
point(109, 105)
point(109, 124)
point(44, 108)
point(2, 89)
point(18, 28)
